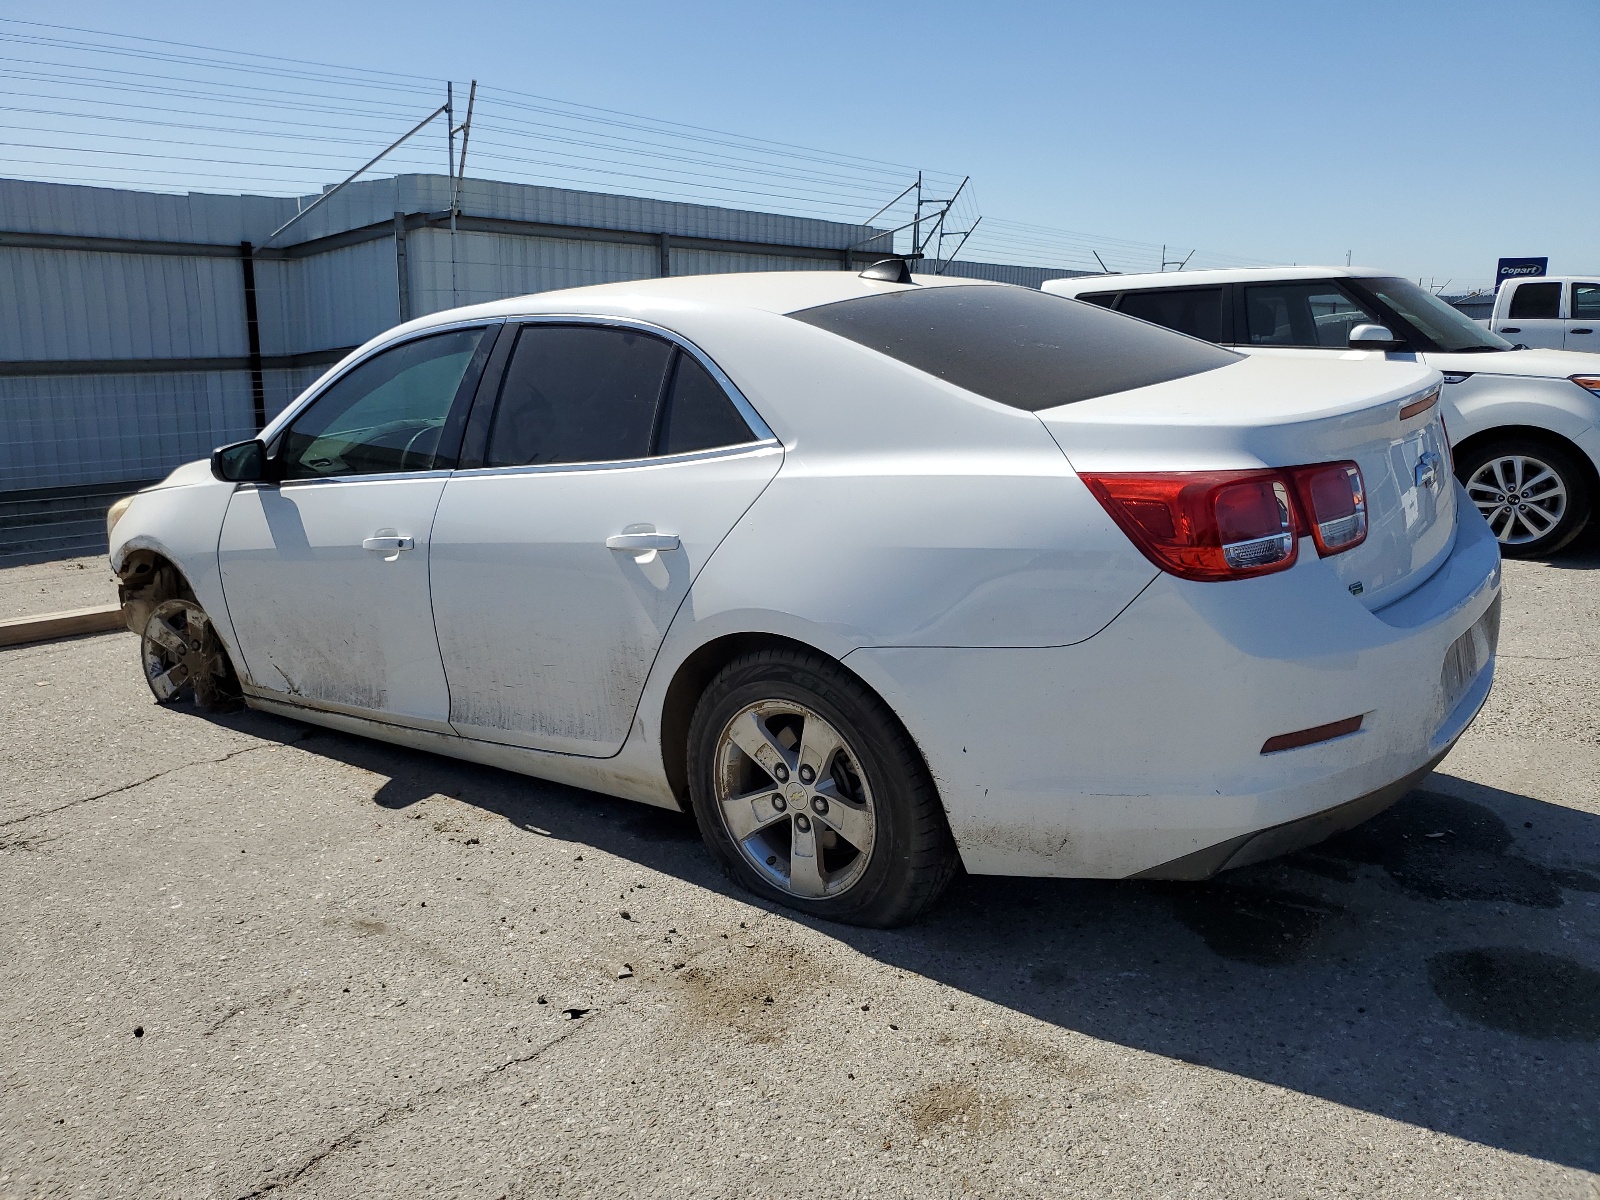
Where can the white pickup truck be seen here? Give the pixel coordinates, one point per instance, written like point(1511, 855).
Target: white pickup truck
point(1524, 424)
point(1549, 312)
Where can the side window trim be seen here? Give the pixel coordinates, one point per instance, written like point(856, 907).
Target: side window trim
point(1230, 316)
point(668, 381)
point(484, 403)
point(475, 436)
point(455, 422)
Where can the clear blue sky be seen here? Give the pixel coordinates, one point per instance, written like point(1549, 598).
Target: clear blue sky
point(1427, 137)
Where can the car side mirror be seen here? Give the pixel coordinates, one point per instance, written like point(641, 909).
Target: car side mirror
point(1374, 337)
point(242, 462)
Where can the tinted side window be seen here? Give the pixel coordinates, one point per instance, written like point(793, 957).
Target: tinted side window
point(1536, 302)
point(1016, 346)
point(385, 415)
point(699, 415)
point(1195, 311)
point(1302, 314)
point(1103, 299)
point(1586, 302)
point(575, 393)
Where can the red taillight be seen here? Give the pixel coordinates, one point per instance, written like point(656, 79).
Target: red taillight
point(1334, 504)
point(1206, 525)
point(1216, 525)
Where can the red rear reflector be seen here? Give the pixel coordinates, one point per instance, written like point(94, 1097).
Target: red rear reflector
point(1203, 525)
point(1419, 406)
point(1333, 502)
point(1309, 737)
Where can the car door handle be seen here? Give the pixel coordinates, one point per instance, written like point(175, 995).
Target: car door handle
point(1580, 331)
point(1511, 329)
point(389, 543)
point(642, 541)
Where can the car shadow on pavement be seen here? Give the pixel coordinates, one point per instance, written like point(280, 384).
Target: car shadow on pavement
point(1439, 965)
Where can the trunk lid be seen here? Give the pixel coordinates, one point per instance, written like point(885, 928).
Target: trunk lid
point(1268, 411)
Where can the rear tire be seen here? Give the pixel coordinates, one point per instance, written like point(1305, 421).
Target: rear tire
point(813, 795)
point(1535, 494)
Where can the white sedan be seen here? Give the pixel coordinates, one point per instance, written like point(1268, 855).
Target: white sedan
point(879, 575)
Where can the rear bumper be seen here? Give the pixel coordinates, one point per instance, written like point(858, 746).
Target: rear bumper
point(1290, 836)
point(1140, 749)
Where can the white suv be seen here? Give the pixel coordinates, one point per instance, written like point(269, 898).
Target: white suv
point(1524, 424)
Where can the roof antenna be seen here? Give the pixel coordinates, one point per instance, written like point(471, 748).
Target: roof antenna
point(1102, 262)
point(889, 270)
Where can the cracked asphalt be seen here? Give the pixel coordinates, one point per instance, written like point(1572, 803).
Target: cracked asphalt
point(248, 958)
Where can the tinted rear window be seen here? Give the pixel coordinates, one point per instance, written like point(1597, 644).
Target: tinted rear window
point(1536, 302)
point(1027, 349)
point(1195, 311)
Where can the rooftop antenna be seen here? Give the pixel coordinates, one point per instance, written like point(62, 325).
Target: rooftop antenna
point(1102, 262)
point(1172, 262)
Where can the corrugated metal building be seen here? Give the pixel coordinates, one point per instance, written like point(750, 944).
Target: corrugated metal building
point(141, 330)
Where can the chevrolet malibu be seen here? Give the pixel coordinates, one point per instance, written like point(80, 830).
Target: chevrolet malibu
point(880, 576)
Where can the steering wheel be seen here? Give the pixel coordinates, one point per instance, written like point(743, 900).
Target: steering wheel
point(405, 455)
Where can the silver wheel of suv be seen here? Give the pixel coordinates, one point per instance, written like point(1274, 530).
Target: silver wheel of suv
point(793, 799)
point(1521, 497)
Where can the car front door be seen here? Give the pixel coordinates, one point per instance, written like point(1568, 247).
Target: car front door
point(325, 569)
point(613, 463)
point(1583, 323)
point(1302, 315)
point(1533, 318)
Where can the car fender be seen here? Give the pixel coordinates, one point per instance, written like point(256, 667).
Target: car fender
point(182, 522)
point(1482, 402)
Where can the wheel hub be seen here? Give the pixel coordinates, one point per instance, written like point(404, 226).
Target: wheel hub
point(180, 652)
point(1521, 497)
point(793, 799)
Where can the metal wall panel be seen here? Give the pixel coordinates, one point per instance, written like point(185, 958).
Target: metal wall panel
point(999, 272)
point(492, 266)
point(340, 298)
point(67, 430)
point(713, 262)
point(72, 304)
point(368, 202)
point(26, 206)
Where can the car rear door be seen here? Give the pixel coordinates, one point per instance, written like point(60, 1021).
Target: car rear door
point(609, 466)
point(1200, 312)
point(325, 571)
point(1533, 318)
point(1583, 320)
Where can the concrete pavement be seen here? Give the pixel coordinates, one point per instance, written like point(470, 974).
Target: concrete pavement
point(249, 958)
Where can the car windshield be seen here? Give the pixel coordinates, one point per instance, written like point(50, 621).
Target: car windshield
point(1449, 329)
point(1017, 346)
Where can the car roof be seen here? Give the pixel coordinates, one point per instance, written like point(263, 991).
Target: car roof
point(779, 292)
point(1079, 284)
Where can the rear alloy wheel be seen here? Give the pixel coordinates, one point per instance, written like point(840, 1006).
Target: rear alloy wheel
point(813, 795)
point(1535, 495)
point(183, 656)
